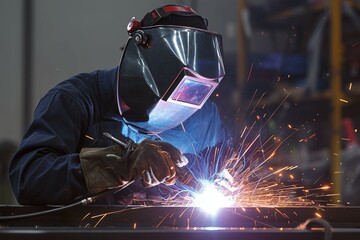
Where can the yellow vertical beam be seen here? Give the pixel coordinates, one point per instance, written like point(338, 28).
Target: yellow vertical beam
point(241, 46)
point(336, 91)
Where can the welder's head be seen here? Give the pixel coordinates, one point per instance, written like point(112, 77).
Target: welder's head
point(170, 66)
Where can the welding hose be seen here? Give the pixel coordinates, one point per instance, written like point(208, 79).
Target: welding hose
point(82, 202)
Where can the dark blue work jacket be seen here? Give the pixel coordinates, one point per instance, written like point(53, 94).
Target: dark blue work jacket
point(74, 114)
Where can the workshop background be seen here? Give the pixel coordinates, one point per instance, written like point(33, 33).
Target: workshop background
point(297, 61)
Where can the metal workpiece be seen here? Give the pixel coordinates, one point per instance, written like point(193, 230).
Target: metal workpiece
point(164, 222)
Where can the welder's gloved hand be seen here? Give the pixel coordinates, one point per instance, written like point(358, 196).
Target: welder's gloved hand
point(102, 171)
point(155, 162)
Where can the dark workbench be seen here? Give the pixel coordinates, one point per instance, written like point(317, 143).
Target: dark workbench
point(160, 222)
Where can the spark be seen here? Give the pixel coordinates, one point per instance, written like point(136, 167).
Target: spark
point(250, 71)
point(243, 173)
point(344, 100)
point(89, 137)
point(250, 181)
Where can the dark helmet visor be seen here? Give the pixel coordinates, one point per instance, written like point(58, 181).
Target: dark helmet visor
point(176, 64)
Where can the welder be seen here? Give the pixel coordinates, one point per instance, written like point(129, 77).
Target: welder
point(157, 98)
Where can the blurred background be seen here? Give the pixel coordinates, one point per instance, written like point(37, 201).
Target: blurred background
point(294, 63)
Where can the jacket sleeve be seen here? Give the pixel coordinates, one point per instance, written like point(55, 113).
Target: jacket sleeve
point(46, 167)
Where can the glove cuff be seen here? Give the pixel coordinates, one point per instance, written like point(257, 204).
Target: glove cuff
point(104, 168)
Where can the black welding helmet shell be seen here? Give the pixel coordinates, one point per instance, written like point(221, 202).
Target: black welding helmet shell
point(167, 75)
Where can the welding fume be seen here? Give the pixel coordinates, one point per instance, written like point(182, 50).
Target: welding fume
point(158, 97)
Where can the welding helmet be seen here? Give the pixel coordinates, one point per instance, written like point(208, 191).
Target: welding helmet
point(170, 66)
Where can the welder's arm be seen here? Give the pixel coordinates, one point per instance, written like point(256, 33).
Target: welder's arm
point(46, 167)
point(155, 162)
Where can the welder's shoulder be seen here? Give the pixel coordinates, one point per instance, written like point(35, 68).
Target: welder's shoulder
point(80, 91)
point(81, 84)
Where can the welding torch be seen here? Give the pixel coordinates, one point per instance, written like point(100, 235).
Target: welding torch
point(222, 181)
point(126, 146)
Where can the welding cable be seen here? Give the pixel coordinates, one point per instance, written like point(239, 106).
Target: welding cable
point(82, 202)
point(308, 224)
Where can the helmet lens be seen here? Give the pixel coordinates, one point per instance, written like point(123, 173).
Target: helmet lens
point(192, 92)
point(192, 89)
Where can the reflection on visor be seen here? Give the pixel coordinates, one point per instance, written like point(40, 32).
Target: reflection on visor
point(192, 92)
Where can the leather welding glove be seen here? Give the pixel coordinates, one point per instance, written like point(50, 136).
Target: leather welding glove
point(155, 162)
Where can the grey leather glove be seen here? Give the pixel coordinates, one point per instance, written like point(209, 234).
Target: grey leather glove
point(155, 162)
